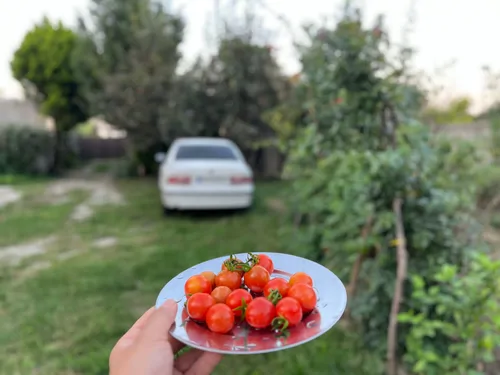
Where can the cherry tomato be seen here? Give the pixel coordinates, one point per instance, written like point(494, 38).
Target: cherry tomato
point(197, 284)
point(233, 264)
point(289, 313)
point(210, 276)
point(260, 313)
point(220, 318)
point(238, 300)
point(256, 279)
point(198, 304)
point(266, 262)
point(230, 279)
point(220, 293)
point(300, 277)
point(306, 296)
point(281, 285)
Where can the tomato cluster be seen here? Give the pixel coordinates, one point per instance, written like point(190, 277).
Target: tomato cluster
point(246, 291)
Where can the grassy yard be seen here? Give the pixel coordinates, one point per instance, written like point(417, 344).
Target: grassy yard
point(61, 311)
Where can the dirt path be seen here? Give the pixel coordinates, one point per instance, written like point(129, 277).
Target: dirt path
point(8, 195)
point(13, 255)
point(102, 192)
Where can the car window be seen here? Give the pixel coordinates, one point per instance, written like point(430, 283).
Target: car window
point(204, 152)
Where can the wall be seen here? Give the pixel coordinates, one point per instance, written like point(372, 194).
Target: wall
point(90, 148)
point(20, 112)
point(471, 131)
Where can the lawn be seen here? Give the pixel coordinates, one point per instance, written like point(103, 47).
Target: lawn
point(62, 310)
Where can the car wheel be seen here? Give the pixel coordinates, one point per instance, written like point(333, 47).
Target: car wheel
point(166, 211)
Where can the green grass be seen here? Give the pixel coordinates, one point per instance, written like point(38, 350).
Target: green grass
point(65, 319)
point(14, 179)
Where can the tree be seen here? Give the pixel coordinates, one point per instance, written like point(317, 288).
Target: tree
point(456, 112)
point(42, 64)
point(229, 94)
point(492, 94)
point(371, 187)
point(132, 63)
point(250, 83)
point(198, 108)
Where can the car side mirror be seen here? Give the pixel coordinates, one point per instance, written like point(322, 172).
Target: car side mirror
point(160, 157)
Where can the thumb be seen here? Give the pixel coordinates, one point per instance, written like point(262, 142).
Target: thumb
point(159, 323)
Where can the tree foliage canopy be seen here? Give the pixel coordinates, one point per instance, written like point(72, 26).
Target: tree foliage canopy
point(456, 112)
point(234, 89)
point(132, 61)
point(371, 186)
point(42, 64)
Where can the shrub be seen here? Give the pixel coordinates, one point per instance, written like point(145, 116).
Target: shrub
point(487, 180)
point(460, 303)
point(374, 189)
point(495, 221)
point(25, 150)
point(495, 138)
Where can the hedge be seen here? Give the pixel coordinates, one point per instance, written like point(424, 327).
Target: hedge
point(25, 150)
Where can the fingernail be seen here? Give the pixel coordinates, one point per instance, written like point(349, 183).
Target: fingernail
point(169, 304)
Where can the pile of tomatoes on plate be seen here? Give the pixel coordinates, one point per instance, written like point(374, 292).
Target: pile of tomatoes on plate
point(245, 291)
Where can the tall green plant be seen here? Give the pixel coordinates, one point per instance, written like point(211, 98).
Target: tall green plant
point(230, 94)
point(495, 138)
point(460, 304)
point(25, 150)
point(128, 70)
point(371, 186)
point(43, 65)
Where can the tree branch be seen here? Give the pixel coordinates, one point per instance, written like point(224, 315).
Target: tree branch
point(402, 269)
point(359, 260)
point(356, 269)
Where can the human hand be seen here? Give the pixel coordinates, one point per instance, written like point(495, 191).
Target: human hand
point(148, 349)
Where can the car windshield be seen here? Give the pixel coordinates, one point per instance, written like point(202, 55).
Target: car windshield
point(204, 152)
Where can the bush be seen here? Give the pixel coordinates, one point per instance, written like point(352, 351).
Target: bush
point(495, 138)
point(488, 186)
point(495, 221)
point(462, 305)
point(25, 150)
point(376, 189)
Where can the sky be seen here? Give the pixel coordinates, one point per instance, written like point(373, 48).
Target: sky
point(461, 31)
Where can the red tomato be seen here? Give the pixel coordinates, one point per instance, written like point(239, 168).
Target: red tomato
point(238, 301)
point(210, 276)
point(306, 296)
point(260, 313)
point(289, 313)
point(281, 285)
point(197, 284)
point(220, 293)
point(266, 262)
point(300, 277)
point(256, 279)
point(220, 318)
point(198, 304)
point(233, 264)
point(228, 278)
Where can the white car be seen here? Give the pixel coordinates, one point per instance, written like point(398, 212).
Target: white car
point(204, 174)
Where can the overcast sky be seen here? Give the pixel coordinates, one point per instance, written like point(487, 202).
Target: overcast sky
point(465, 31)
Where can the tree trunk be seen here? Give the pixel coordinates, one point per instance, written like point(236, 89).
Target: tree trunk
point(56, 159)
point(353, 282)
point(402, 266)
